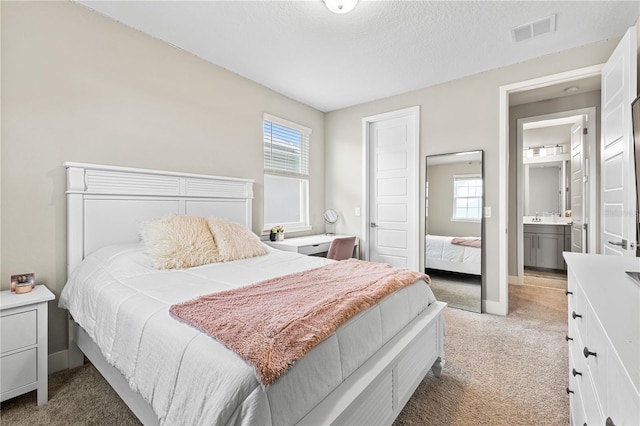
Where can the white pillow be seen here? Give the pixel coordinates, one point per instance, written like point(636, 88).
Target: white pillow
point(179, 242)
point(235, 241)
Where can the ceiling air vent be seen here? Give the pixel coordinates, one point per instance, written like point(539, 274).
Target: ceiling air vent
point(534, 29)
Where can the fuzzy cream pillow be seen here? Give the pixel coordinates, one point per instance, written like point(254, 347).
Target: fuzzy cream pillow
point(177, 242)
point(235, 241)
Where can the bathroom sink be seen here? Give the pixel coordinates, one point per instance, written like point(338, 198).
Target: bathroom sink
point(546, 220)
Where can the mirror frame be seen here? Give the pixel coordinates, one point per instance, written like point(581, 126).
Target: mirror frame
point(478, 279)
point(330, 216)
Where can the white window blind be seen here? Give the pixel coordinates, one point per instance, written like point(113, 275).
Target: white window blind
point(286, 148)
point(467, 197)
point(286, 174)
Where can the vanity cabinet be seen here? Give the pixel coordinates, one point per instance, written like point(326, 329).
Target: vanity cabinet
point(544, 244)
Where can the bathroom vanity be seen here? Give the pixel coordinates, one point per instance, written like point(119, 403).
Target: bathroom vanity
point(544, 244)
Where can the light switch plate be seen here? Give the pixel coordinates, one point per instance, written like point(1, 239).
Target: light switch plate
point(487, 211)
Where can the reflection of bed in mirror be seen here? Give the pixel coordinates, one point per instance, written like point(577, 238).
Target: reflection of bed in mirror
point(453, 254)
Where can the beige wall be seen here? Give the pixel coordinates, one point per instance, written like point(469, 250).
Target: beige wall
point(441, 200)
point(77, 86)
point(534, 109)
point(461, 115)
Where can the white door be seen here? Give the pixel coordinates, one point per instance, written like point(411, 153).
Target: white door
point(393, 229)
point(617, 183)
point(578, 185)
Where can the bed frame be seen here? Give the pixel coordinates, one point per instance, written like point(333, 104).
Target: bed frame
point(106, 204)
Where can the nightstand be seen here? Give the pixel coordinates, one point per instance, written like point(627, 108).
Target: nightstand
point(23, 343)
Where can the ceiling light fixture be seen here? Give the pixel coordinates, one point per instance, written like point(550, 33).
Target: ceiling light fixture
point(340, 6)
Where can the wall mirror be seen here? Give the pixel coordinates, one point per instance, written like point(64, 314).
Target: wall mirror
point(454, 241)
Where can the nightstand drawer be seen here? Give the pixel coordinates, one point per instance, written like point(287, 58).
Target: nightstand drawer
point(314, 248)
point(18, 331)
point(19, 369)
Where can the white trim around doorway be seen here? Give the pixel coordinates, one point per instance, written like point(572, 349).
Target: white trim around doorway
point(366, 121)
point(501, 307)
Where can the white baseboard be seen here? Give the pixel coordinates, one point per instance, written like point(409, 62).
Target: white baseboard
point(491, 307)
point(58, 361)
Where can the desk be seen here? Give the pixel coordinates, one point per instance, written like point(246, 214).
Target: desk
point(312, 245)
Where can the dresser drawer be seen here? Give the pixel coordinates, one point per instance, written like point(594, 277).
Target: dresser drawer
point(579, 307)
point(595, 341)
point(582, 384)
point(18, 331)
point(578, 417)
point(589, 402)
point(18, 369)
point(624, 399)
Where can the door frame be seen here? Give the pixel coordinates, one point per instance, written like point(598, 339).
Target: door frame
point(590, 141)
point(415, 156)
point(501, 307)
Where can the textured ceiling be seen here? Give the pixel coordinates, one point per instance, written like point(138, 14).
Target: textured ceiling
point(380, 49)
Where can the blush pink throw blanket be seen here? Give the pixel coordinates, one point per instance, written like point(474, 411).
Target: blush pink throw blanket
point(469, 242)
point(273, 323)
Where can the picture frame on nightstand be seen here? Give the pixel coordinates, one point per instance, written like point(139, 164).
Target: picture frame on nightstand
point(22, 280)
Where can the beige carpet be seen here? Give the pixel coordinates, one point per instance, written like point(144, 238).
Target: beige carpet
point(499, 371)
point(458, 294)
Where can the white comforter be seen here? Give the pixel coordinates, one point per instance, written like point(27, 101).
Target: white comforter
point(441, 254)
point(189, 378)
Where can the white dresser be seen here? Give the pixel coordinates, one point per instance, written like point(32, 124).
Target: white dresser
point(23, 343)
point(604, 340)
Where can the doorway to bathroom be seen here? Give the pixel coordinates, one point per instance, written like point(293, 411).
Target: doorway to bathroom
point(556, 196)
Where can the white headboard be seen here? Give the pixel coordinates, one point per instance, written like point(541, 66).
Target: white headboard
point(106, 204)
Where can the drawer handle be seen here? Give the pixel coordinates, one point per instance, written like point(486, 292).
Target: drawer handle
point(567, 292)
point(567, 338)
point(609, 422)
point(576, 373)
point(569, 391)
point(587, 352)
point(574, 315)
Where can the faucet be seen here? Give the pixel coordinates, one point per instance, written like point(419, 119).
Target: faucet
point(537, 218)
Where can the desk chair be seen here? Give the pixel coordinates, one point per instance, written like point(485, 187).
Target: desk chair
point(341, 248)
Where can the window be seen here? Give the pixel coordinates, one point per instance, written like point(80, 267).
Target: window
point(286, 174)
point(467, 197)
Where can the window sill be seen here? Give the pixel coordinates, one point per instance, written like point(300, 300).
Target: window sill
point(453, 219)
point(289, 230)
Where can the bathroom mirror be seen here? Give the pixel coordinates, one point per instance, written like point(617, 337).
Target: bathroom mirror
point(454, 241)
point(546, 189)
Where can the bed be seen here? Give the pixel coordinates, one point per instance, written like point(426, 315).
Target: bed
point(442, 254)
point(125, 325)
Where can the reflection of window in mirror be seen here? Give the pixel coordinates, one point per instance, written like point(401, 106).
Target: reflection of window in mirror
point(467, 197)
